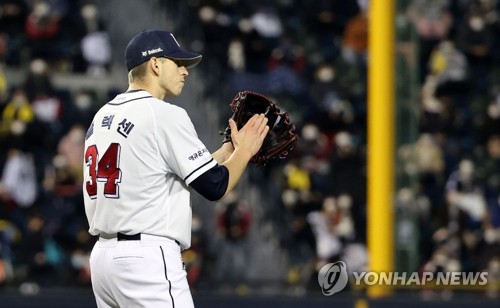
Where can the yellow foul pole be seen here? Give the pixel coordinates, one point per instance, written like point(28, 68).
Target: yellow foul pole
point(380, 140)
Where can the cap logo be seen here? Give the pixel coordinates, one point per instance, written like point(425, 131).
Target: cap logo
point(151, 51)
point(175, 40)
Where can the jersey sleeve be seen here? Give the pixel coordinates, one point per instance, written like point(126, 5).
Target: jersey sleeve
point(212, 184)
point(183, 151)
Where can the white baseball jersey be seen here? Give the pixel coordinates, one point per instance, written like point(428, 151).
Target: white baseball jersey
point(141, 153)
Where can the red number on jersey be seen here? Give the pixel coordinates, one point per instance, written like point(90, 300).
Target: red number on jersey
point(91, 161)
point(107, 170)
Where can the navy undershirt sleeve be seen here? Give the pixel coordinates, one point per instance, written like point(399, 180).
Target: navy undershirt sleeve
point(213, 183)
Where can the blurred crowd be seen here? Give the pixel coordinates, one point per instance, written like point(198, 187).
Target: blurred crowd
point(43, 229)
point(311, 57)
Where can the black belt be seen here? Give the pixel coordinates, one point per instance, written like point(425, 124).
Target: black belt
point(125, 237)
point(134, 237)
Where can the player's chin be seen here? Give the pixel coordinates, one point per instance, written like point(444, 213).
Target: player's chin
point(173, 93)
point(177, 91)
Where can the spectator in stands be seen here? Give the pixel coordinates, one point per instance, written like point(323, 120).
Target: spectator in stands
point(195, 258)
point(4, 87)
point(475, 39)
point(78, 254)
point(42, 28)
point(314, 142)
point(323, 87)
point(331, 110)
point(47, 106)
point(9, 234)
point(220, 28)
point(36, 254)
point(70, 150)
point(327, 20)
point(433, 22)
point(17, 116)
point(38, 81)
point(437, 114)
point(488, 172)
point(425, 160)
point(323, 224)
point(84, 103)
point(493, 271)
point(355, 39)
point(12, 25)
point(285, 68)
point(467, 212)
point(233, 225)
point(236, 55)
point(443, 260)
point(465, 196)
point(333, 229)
point(18, 187)
point(490, 121)
point(299, 238)
point(266, 31)
point(347, 168)
point(95, 45)
point(449, 66)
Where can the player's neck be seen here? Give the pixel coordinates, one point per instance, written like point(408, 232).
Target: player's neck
point(133, 88)
point(150, 90)
point(137, 87)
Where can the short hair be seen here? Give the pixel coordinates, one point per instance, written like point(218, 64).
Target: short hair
point(138, 73)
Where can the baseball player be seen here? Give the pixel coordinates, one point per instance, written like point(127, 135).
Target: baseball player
point(142, 157)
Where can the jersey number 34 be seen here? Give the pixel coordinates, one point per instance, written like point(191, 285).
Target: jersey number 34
point(105, 169)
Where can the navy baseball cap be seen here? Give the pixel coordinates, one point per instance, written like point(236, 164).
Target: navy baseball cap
point(157, 43)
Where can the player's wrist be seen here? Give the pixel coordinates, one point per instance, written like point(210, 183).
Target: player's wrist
point(243, 153)
point(228, 148)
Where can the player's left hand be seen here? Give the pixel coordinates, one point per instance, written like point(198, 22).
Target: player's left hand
point(228, 147)
point(251, 135)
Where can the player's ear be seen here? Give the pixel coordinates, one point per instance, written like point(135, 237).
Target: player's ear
point(153, 64)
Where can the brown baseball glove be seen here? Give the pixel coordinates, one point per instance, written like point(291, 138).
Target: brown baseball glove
point(281, 137)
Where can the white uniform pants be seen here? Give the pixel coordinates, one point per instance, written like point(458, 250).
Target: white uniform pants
point(142, 273)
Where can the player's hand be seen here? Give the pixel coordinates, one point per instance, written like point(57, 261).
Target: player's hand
point(228, 147)
point(251, 136)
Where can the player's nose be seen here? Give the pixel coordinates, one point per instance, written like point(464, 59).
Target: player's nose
point(183, 70)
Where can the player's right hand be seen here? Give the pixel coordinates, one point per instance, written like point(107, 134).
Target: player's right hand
point(251, 136)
